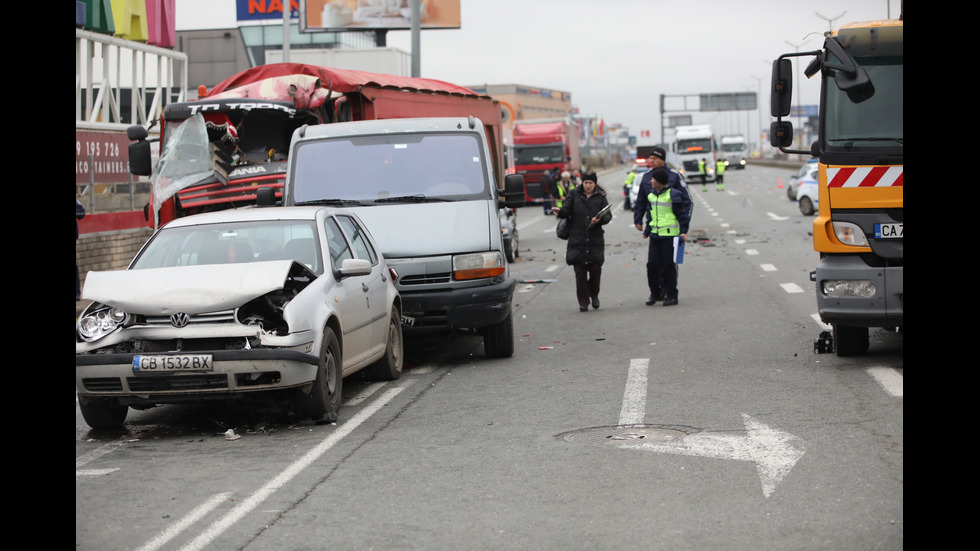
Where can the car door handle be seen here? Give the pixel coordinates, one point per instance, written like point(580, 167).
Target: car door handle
point(364, 287)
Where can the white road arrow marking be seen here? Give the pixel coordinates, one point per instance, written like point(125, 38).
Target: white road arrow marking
point(773, 451)
point(776, 216)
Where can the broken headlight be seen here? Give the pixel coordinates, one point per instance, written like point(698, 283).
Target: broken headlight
point(99, 322)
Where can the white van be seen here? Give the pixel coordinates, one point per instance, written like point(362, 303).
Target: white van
point(426, 190)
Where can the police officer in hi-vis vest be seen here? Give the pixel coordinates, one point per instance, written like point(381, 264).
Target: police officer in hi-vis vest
point(669, 207)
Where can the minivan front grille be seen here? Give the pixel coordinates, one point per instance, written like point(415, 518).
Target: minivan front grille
point(425, 279)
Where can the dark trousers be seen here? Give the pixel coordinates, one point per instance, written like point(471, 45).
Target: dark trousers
point(661, 269)
point(587, 278)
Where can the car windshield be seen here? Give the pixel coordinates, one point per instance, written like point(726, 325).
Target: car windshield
point(231, 243)
point(387, 168)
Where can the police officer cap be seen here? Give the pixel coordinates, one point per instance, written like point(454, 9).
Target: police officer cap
point(661, 175)
point(659, 153)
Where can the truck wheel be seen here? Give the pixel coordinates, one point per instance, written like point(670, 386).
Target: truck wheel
point(323, 400)
point(389, 367)
point(806, 206)
point(498, 340)
point(850, 341)
point(103, 413)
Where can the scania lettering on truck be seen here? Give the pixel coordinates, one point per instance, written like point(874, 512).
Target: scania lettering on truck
point(692, 145)
point(734, 151)
point(427, 190)
point(859, 229)
point(219, 149)
point(543, 145)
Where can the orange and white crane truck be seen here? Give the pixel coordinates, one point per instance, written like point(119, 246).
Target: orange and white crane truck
point(859, 230)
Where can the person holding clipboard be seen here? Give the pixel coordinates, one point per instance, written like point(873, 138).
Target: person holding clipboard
point(669, 208)
point(587, 210)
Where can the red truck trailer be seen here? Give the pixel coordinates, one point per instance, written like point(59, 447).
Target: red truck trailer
point(215, 151)
point(541, 145)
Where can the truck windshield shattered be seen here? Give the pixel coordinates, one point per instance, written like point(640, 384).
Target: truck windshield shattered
point(385, 169)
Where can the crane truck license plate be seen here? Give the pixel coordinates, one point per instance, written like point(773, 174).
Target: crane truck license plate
point(889, 231)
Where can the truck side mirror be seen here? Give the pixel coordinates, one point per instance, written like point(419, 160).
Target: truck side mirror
point(781, 134)
point(850, 78)
point(135, 133)
point(514, 190)
point(139, 158)
point(781, 95)
point(265, 196)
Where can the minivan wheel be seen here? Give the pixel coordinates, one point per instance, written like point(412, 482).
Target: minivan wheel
point(498, 339)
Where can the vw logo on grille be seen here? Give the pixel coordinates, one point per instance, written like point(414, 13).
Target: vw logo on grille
point(179, 319)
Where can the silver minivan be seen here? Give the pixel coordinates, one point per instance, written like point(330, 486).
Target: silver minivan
point(426, 190)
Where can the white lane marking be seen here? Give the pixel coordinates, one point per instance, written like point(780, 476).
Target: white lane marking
point(253, 501)
point(87, 458)
point(364, 394)
point(635, 396)
point(791, 287)
point(776, 216)
point(889, 379)
point(825, 326)
point(173, 531)
point(768, 267)
point(551, 268)
point(751, 252)
point(93, 472)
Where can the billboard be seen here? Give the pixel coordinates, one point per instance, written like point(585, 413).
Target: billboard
point(358, 15)
point(729, 102)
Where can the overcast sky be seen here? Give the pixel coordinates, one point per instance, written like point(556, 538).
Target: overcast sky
point(618, 56)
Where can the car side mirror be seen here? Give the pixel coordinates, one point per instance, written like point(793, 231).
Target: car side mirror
point(355, 267)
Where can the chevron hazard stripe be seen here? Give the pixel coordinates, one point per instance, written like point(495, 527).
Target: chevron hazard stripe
point(860, 176)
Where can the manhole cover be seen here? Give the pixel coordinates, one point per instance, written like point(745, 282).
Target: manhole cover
point(629, 433)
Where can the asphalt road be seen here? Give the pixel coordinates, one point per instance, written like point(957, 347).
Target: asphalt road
point(707, 425)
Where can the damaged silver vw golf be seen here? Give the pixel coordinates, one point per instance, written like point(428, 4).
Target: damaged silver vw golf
point(279, 302)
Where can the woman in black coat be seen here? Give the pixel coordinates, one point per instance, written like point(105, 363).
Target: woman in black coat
point(587, 210)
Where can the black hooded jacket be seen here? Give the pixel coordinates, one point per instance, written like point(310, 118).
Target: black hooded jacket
point(585, 245)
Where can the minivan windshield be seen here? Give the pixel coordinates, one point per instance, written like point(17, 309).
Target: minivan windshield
point(389, 168)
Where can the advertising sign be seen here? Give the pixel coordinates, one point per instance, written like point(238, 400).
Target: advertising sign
point(258, 10)
point(101, 157)
point(356, 15)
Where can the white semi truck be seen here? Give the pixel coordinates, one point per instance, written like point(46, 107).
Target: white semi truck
point(734, 150)
point(694, 144)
